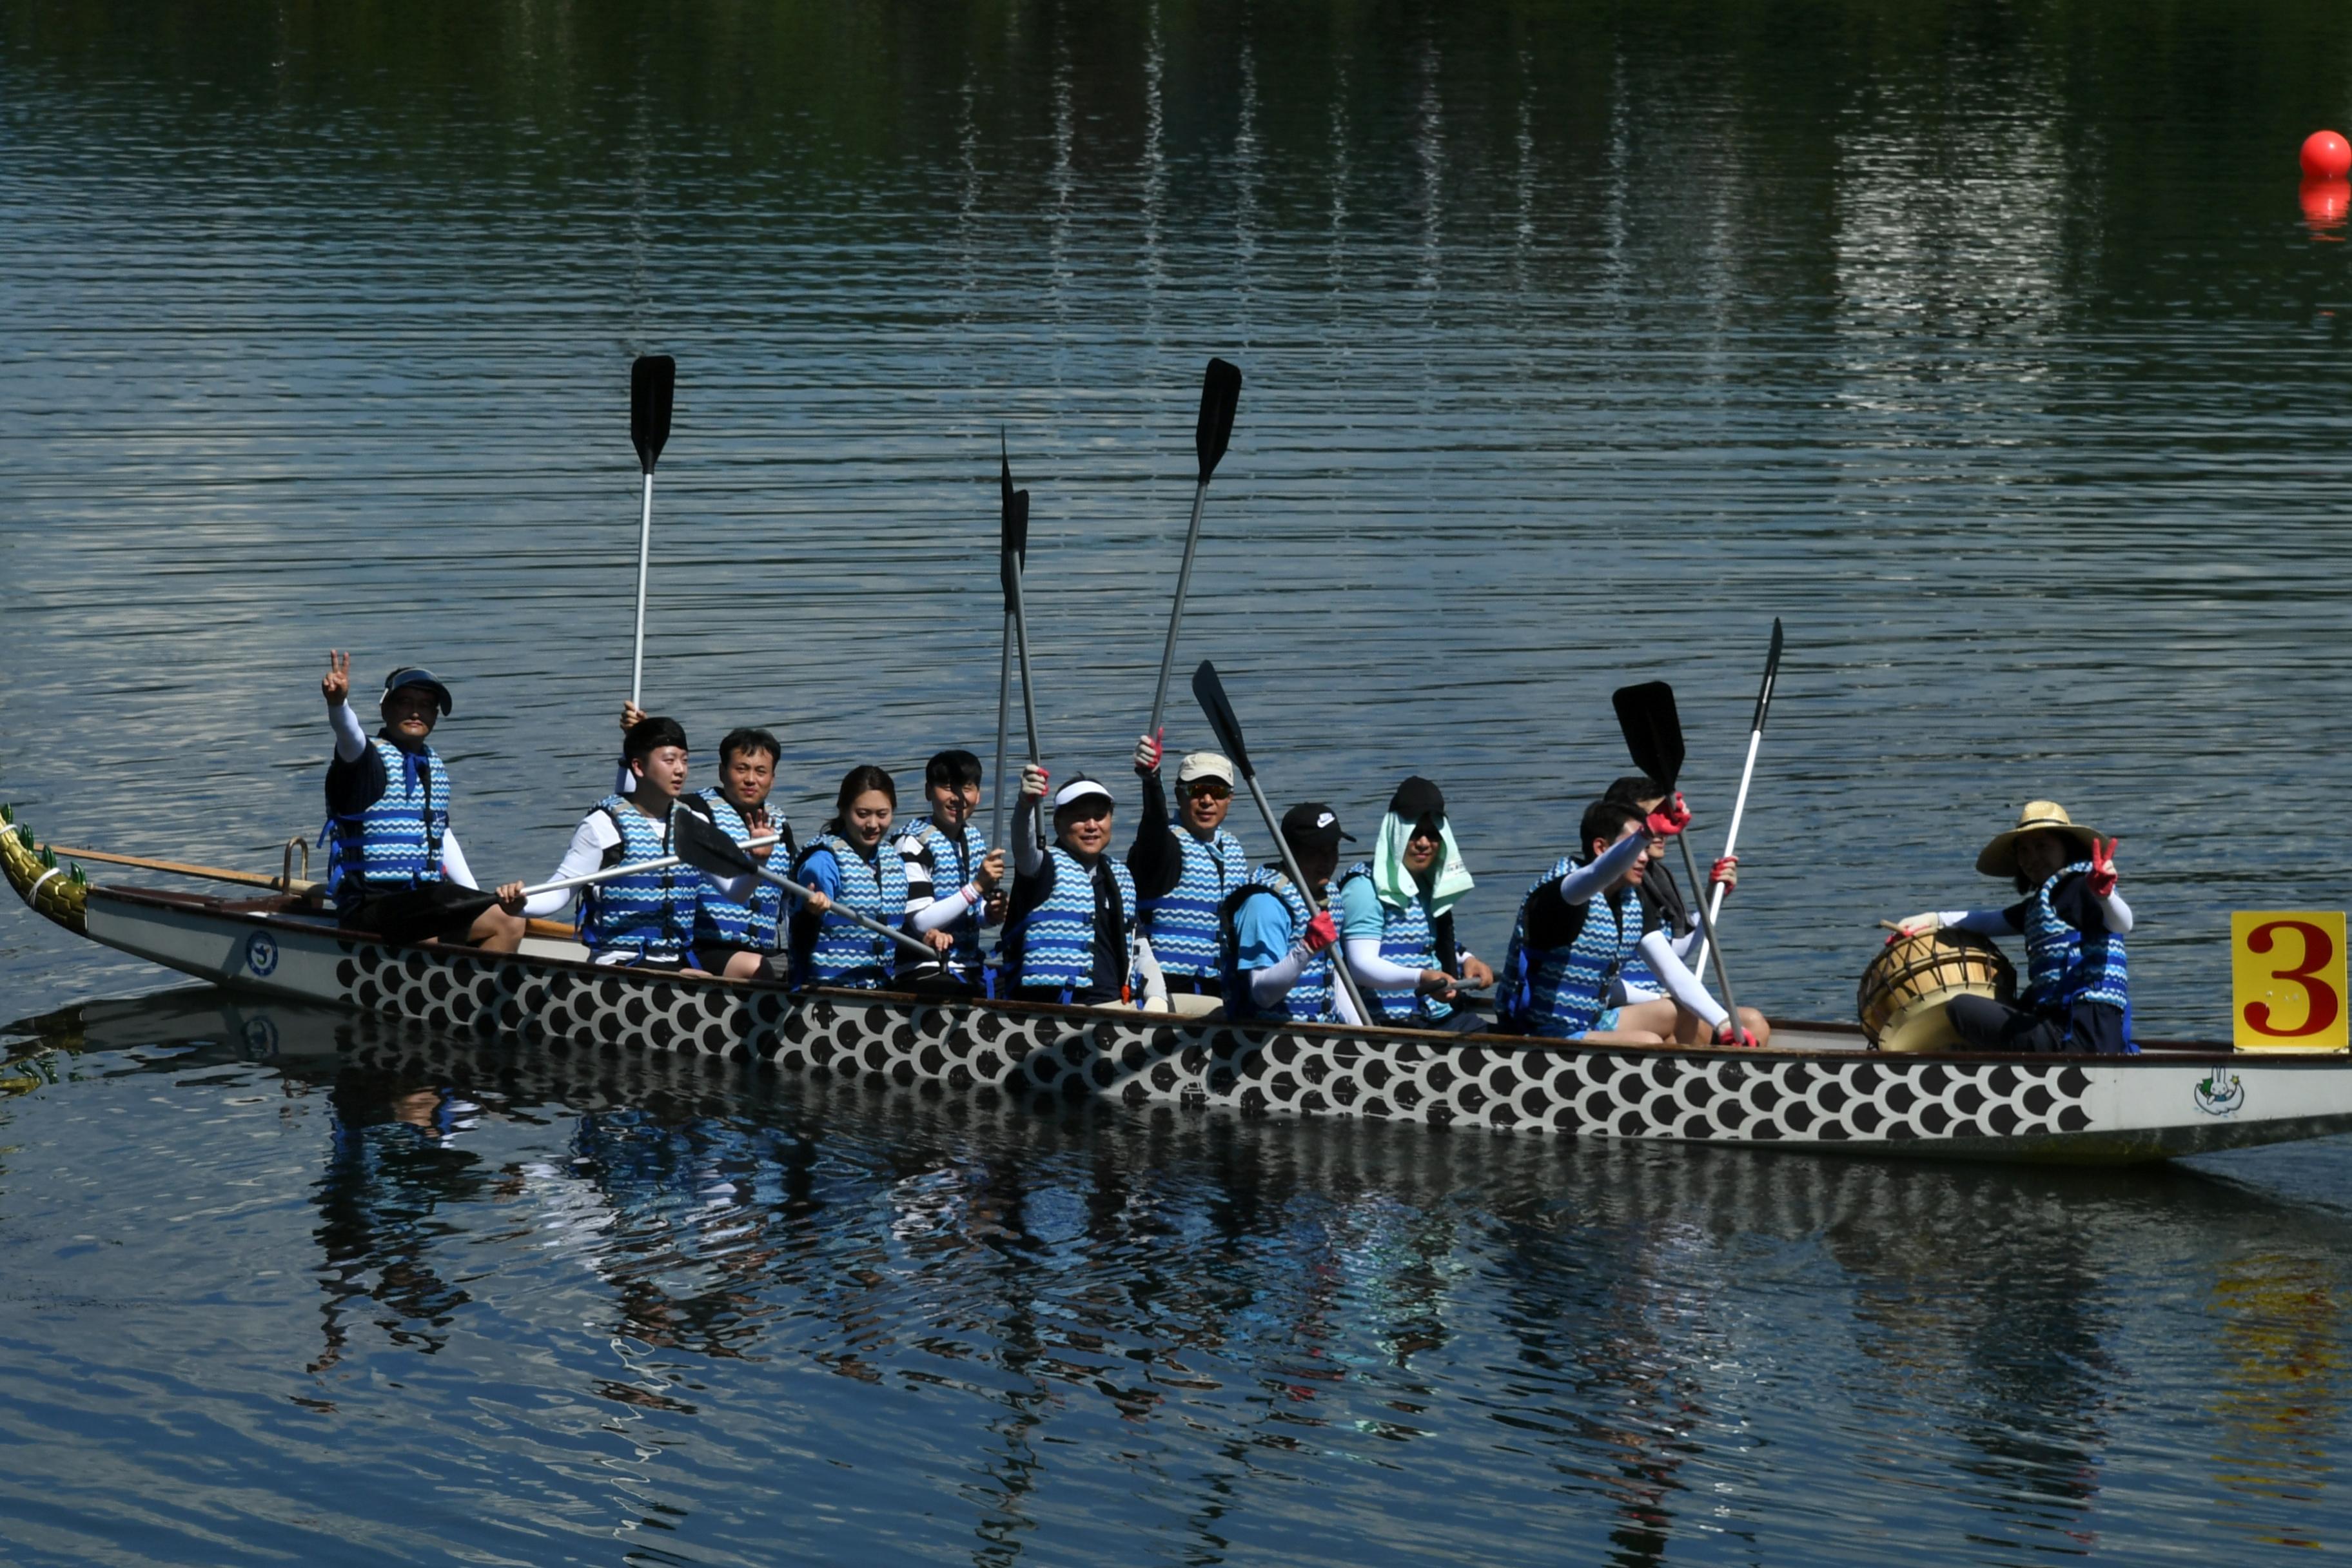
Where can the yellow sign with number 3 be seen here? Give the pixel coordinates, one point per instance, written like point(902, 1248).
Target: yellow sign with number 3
point(2287, 979)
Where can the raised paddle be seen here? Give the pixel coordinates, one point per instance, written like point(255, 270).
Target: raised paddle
point(651, 381)
point(1221, 393)
point(706, 848)
point(1211, 691)
point(1654, 735)
point(1013, 546)
point(1747, 773)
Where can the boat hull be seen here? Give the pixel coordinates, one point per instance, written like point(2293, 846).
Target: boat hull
point(2015, 1108)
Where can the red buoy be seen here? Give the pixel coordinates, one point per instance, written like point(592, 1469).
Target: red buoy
point(2326, 156)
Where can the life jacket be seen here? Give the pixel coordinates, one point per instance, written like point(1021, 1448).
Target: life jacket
point(1407, 938)
point(394, 844)
point(953, 865)
point(1559, 993)
point(1637, 977)
point(718, 921)
point(1183, 921)
point(2063, 965)
point(1053, 943)
point(842, 954)
point(648, 915)
point(1307, 1002)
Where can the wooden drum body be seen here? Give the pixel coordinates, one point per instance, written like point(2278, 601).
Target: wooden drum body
point(1905, 987)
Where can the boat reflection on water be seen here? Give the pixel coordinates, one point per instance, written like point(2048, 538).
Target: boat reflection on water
point(1668, 1339)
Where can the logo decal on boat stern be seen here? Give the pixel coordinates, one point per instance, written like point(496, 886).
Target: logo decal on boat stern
point(261, 953)
point(2220, 1093)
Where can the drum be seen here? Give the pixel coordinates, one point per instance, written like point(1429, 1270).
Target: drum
point(1905, 987)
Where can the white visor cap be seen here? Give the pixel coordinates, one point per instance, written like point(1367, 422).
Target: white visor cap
point(1078, 789)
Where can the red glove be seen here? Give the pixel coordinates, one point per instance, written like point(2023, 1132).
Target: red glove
point(2102, 865)
point(1321, 932)
point(1726, 875)
point(1147, 752)
point(1671, 817)
point(1731, 1032)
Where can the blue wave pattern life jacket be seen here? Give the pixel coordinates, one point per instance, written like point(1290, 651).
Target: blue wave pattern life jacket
point(719, 920)
point(1053, 944)
point(1309, 1001)
point(845, 954)
point(1407, 939)
point(1183, 921)
point(396, 844)
point(648, 915)
point(1637, 972)
point(952, 865)
point(1559, 993)
point(2063, 965)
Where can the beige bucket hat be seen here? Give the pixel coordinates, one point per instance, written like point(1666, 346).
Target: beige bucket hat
point(2000, 857)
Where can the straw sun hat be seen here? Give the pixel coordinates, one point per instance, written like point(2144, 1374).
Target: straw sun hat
point(2000, 857)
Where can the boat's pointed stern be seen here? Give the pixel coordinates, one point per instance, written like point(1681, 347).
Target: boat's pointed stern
point(53, 890)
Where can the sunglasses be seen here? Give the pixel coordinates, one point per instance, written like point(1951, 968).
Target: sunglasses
point(1210, 789)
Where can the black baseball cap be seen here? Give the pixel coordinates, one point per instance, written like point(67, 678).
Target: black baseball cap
point(409, 675)
point(1418, 801)
point(1311, 826)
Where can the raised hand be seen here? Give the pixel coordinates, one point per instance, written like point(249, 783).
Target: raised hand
point(1321, 932)
point(1671, 817)
point(992, 870)
point(2102, 865)
point(1033, 781)
point(1147, 752)
point(631, 717)
point(335, 686)
point(1726, 875)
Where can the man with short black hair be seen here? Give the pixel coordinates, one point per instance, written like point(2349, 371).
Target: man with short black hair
point(1275, 938)
point(394, 869)
point(644, 919)
point(944, 852)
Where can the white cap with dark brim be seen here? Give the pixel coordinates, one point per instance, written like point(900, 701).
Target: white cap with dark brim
point(1078, 789)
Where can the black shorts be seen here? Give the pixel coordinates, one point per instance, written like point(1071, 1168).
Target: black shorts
point(437, 911)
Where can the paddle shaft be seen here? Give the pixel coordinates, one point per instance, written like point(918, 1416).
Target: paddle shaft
point(644, 559)
point(1003, 721)
point(182, 869)
point(609, 872)
point(1176, 615)
point(1028, 681)
point(1738, 810)
point(1339, 970)
point(912, 944)
point(1707, 930)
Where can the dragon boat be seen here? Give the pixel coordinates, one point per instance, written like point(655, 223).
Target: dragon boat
point(1817, 1088)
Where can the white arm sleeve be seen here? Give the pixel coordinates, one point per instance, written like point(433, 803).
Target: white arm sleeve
point(1984, 923)
point(1272, 983)
point(941, 911)
point(1586, 880)
point(453, 862)
point(2117, 912)
point(1680, 981)
point(350, 740)
point(1341, 1005)
point(1027, 856)
point(1155, 984)
point(595, 835)
point(1365, 962)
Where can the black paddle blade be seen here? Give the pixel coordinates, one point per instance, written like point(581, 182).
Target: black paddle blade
point(1772, 674)
point(706, 846)
point(1211, 692)
point(1654, 731)
point(1004, 477)
point(1014, 551)
point(1221, 393)
point(652, 382)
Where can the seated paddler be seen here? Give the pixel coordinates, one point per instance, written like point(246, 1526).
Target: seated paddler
point(851, 864)
point(1584, 922)
point(642, 919)
point(944, 854)
point(1070, 932)
point(1662, 897)
point(733, 936)
point(394, 866)
point(1184, 865)
point(1396, 916)
point(1275, 939)
point(2077, 995)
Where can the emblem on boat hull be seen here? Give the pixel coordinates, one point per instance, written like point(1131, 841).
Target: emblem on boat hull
point(2220, 1094)
point(261, 953)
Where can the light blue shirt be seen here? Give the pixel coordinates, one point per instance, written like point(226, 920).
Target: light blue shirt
point(1360, 915)
point(1262, 931)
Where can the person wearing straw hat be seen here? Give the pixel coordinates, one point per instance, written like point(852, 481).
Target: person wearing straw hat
point(1184, 865)
point(1069, 931)
point(394, 868)
point(1396, 916)
point(2077, 995)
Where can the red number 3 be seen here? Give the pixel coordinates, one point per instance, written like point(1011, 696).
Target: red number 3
point(2318, 952)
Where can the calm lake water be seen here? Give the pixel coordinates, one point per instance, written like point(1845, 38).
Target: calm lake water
point(1987, 345)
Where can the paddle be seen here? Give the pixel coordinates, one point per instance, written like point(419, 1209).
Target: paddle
point(1016, 530)
point(651, 380)
point(1013, 546)
point(1654, 735)
point(709, 849)
point(1211, 691)
point(609, 872)
point(1221, 393)
point(182, 869)
point(1747, 773)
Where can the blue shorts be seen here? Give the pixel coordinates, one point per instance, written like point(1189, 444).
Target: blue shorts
point(1603, 1024)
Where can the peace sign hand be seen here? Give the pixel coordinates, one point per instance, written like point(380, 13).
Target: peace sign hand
point(2102, 865)
point(335, 686)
